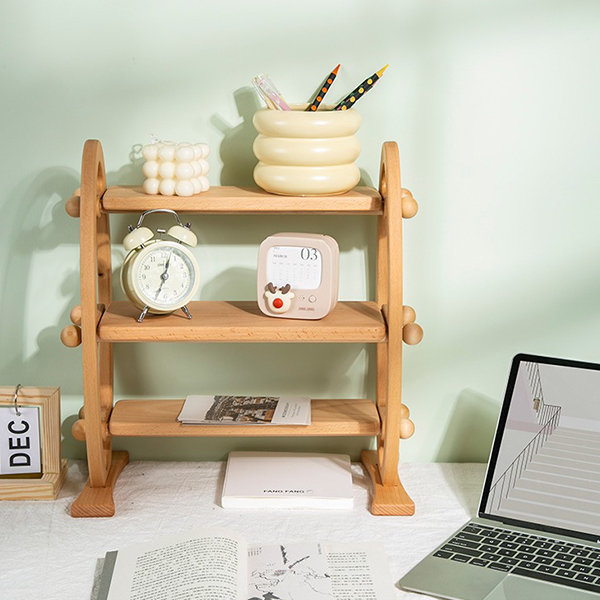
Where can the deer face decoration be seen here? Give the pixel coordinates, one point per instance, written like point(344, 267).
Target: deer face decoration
point(279, 300)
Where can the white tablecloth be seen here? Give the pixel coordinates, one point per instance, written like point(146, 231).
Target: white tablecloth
point(48, 555)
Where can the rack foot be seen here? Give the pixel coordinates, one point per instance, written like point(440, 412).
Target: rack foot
point(389, 499)
point(98, 502)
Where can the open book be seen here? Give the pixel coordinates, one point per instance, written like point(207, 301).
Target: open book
point(217, 564)
point(245, 410)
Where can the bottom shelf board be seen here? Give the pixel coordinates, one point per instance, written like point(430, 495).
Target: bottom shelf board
point(155, 418)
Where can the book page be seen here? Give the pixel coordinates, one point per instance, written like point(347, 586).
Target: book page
point(294, 571)
point(210, 564)
point(359, 572)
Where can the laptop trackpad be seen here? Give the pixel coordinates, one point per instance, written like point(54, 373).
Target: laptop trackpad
point(514, 587)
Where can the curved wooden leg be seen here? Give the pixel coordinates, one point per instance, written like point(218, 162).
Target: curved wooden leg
point(389, 498)
point(98, 501)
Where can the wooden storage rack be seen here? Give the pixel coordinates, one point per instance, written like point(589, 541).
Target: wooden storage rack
point(98, 323)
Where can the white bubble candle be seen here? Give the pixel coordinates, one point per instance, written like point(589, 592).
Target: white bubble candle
point(175, 169)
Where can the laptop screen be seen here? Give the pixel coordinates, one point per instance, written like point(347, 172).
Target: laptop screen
point(544, 468)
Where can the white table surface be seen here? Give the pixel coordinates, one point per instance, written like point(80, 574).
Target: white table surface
point(48, 555)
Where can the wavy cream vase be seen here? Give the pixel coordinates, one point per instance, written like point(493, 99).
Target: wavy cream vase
point(306, 153)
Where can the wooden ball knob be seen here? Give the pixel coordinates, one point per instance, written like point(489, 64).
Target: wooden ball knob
point(412, 334)
point(408, 314)
point(404, 411)
point(70, 336)
point(407, 428)
point(78, 430)
point(75, 315)
point(409, 205)
point(72, 205)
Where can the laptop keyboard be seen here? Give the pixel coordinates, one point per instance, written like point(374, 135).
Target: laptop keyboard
point(533, 556)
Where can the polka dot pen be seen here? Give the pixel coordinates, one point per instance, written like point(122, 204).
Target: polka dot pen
point(323, 90)
point(360, 91)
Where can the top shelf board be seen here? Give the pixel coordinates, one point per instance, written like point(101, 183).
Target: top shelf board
point(243, 200)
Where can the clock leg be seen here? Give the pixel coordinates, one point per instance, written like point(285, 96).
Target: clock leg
point(143, 314)
point(186, 311)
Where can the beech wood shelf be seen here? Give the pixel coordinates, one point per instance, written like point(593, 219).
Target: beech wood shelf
point(241, 322)
point(98, 323)
point(159, 418)
point(243, 200)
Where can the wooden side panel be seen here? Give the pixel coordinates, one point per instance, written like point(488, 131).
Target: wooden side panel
point(392, 191)
point(93, 185)
point(106, 363)
point(382, 301)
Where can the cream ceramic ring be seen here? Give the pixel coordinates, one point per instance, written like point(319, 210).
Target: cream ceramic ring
point(301, 124)
point(306, 181)
point(306, 151)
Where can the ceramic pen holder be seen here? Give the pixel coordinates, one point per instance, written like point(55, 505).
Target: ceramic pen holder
point(304, 153)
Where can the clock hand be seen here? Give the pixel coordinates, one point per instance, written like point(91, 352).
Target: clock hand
point(164, 275)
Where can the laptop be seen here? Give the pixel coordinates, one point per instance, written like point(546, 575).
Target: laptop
point(537, 534)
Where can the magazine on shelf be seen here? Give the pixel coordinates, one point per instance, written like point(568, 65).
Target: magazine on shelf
point(219, 564)
point(245, 410)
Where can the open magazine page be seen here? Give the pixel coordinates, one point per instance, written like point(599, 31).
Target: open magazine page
point(288, 572)
point(208, 564)
point(359, 572)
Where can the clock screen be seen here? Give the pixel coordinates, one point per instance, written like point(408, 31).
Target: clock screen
point(300, 266)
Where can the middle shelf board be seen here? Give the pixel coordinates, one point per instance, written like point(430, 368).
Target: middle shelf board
point(153, 418)
point(354, 322)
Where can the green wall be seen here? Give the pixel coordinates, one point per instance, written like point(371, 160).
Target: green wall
point(495, 108)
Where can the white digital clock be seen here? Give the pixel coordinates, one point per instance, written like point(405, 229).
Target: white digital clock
point(298, 275)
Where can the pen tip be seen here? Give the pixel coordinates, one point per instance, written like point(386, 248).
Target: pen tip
point(335, 71)
point(380, 72)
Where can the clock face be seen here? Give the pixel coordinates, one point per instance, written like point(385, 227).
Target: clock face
point(300, 266)
point(164, 276)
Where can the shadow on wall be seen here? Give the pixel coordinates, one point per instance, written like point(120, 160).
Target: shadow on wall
point(468, 438)
point(39, 222)
point(236, 147)
point(470, 430)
